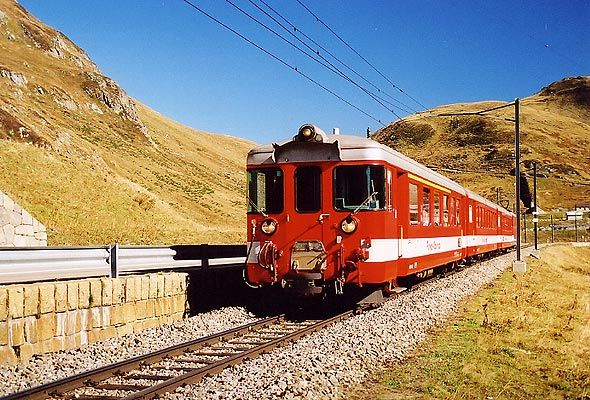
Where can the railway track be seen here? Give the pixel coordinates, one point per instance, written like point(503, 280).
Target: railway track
point(162, 371)
point(149, 375)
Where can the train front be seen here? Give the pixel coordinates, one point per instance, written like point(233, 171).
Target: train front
point(313, 213)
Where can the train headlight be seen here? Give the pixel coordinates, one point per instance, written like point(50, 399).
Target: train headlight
point(306, 133)
point(269, 226)
point(349, 224)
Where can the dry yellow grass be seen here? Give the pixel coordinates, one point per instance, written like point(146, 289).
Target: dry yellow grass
point(93, 176)
point(526, 337)
point(555, 132)
point(86, 169)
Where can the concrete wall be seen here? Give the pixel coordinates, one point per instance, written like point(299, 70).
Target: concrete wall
point(17, 227)
point(46, 317)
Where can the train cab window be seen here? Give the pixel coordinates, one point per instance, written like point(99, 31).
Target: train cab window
point(413, 204)
point(445, 210)
point(308, 189)
point(265, 191)
point(359, 187)
point(436, 208)
point(425, 206)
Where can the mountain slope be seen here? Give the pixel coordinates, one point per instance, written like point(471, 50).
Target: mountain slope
point(478, 151)
point(96, 166)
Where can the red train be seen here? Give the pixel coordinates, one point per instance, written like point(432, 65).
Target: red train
point(329, 212)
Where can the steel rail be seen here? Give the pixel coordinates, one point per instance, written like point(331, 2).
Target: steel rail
point(89, 379)
point(200, 373)
point(93, 376)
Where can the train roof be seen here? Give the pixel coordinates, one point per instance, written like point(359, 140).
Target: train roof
point(353, 148)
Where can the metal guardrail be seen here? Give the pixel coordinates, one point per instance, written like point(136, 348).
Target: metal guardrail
point(19, 265)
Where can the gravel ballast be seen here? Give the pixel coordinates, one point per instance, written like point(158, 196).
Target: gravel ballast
point(45, 368)
point(324, 365)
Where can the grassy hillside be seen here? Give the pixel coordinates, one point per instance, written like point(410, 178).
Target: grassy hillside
point(525, 337)
point(96, 166)
point(555, 132)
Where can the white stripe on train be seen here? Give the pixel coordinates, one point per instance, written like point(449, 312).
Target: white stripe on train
point(393, 249)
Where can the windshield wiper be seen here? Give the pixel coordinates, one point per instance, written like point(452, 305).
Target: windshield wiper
point(258, 210)
point(367, 200)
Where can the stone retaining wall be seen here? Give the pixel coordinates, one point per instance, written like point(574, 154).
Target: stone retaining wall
point(17, 227)
point(46, 317)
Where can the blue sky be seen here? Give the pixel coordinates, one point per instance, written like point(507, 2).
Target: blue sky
point(177, 61)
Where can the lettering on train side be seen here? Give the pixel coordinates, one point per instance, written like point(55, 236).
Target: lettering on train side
point(433, 245)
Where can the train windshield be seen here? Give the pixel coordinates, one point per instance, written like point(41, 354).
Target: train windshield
point(308, 191)
point(359, 187)
point(265, 191)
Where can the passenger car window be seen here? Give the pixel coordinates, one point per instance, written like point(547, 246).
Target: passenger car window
point(436, 207)
point(359, 187)
point(265, 190)
point(308, 189)
point(413, 204)
point(425, 206)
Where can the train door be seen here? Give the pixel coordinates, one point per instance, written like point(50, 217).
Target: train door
point(392, 224)
point(470, 232)
point(392, 202)
point(308, 252)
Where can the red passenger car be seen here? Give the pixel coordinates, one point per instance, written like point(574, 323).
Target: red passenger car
point(329, 211)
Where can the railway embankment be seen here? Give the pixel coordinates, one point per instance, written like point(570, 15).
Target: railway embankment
point(50, 317)
point(326, 364)
point(526, 336)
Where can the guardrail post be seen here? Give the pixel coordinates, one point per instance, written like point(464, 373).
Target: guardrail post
point(205, 256)
point(114, 259)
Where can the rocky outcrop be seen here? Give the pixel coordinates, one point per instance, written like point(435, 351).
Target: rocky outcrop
point(108, 92)
point(76, 86)
point(16, 78)
point(574, 89)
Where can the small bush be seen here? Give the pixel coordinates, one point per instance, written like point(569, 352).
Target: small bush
point(404, 132)
point(474, 131)
point(145, 201)
point(500, 158)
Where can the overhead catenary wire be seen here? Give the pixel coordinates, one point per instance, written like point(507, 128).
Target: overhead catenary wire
point(331, 67)
point(294, 28)
point(318, 19)
point(280, 60)
point(480, 112)
point(467, 171)
point(328, 65)
point(502, 174)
